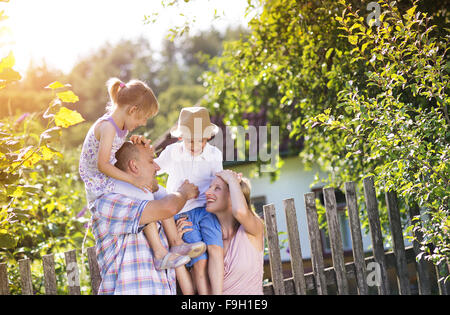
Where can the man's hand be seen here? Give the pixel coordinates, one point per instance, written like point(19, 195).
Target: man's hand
point(188, 190)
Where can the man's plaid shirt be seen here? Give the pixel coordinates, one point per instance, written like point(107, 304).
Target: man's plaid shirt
point(125, 259)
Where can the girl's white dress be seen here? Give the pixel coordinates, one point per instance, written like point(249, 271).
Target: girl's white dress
point(97, 183)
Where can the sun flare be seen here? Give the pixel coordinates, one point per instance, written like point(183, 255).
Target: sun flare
point(61, 31)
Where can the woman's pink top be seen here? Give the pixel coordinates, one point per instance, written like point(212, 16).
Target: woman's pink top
point(243, 265)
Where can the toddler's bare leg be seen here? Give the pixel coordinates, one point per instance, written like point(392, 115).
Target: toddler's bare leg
point(185, 281)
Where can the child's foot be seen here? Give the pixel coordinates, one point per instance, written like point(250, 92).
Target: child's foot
point(192, 250)
point(171, 260)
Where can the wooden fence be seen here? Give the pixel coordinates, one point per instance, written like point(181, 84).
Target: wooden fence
point(320, 279)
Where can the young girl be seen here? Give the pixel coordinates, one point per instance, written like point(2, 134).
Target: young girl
point(132, 104)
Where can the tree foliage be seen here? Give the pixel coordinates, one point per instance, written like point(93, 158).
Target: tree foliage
point(367, 99)
point(399, 120)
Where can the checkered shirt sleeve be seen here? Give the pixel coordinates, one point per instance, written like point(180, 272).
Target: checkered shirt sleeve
point(124, 256)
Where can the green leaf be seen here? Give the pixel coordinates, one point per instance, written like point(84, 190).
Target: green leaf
point(329, 52)
point(353, 39)
point(55, 85)
point(8, 75)
point(68, 97)
point(66, 118)
point(411, 11)
point(48, 154)
point(7, 62)
point(364, 46)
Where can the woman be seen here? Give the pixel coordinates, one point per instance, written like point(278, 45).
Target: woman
point(228, 197)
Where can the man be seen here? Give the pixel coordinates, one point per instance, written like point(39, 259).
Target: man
point(123, 254)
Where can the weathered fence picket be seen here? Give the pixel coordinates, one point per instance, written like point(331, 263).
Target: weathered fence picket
point(337, 250)
point(356, 235)
point(25, 276)
point(276, 267)
point(316, 244)
point(48, 265)
point(4, 286)
point(94, 271)
point(320, 278)
point(73, 274)
point(294, 247)
point(398, 243)
point(375, 231)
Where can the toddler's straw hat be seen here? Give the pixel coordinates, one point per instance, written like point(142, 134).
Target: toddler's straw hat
point(194, 122)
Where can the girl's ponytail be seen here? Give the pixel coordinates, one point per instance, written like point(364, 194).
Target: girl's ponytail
point(114, 85)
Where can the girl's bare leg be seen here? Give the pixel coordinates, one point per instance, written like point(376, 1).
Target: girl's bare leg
point(170, 229)
point(152, 235)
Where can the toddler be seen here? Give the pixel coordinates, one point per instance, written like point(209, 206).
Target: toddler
point(194, 159)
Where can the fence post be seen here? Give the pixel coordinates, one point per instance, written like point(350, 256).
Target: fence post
point(294, 247)
point(94, 271)
point(48, 264)
point(25, 276)
point(73, 274)
point(375, 231)
point(4, 286)
point(398, 242)
point(423, 276)
point(316, 245)
point(357, 244)
point(441, 273)
point(337, 250)
point(276, 267)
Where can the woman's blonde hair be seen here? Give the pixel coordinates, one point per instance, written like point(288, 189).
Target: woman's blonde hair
point(134, 93)
point(246, 189)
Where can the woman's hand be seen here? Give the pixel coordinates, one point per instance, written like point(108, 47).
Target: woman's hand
point(229, 176)
point(182, 223)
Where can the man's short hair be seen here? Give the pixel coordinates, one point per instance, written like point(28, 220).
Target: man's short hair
point(128, 151)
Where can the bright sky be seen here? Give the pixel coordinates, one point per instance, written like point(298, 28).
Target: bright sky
point(62, 31)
